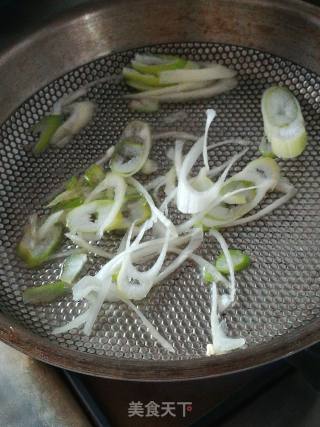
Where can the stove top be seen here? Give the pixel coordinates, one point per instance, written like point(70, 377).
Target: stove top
point(285, 393)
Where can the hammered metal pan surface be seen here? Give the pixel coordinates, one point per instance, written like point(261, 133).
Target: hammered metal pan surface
point(278, 297)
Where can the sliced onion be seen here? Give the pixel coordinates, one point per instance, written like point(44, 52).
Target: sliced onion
point(166, 91)
point(210, 268)
point(175, 135)
point(156, 182)
point(50, 222)
point(189, 200)
point(69, 99)
point(149, 59)
point(106, 157)
point(139, 253)
point(177, 116)
point(95, 306)
point(132, 151)
point(232, 288)
point(178, 156)
point(265, 147)
point(194, 243)
point(82, 91)
point(289, 191)
point(134, 284)
point(80, 115)
point(74, 324)
point(283, 122)
point(65, 254)
point(149, 80)
point(149, 167)
point(79, 220)
point(144, 105)
point(155, 211)
point(221, 343)
point(77, 240)
point(153, 332)
point(263, 173)
point(85, 286)
point(65, 195)
point(211, 114)
point(154, 64)
point(72, 267)
point(214, 72)
point(170, 181)
point(118, 184)
point(220, 86)
point(168, 199)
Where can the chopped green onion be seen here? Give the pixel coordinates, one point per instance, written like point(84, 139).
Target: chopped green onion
point(141, 87)
point(89, 217)
point(208, 91)
point(80, 114)
point(132, 194)
point(239, 198)
point(153, 64)
point(146, 79)
point(240, 261)
point(72, 183)
point(47, 128)
point(265, 148)
point(93, 175)
point(151, 92)
point(214, 72)
point(132, 151)
point(149, 167)
point(207, 278)
point(191, 65)
point(144, 105)
point(114, 277)
point(68, 204)
point(34, 250)
point(46, 293)
point(72, 267)
point(283, 122)
point(135, 211)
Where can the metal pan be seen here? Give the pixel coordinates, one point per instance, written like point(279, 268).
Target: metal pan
point(278, 303)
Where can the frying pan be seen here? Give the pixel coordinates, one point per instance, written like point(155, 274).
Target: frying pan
point(278, 298)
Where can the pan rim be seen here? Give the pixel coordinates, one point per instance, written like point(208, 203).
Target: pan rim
point(21, 338)
point(40, 348)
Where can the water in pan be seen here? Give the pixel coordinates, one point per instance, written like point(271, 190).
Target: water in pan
point(279, 292)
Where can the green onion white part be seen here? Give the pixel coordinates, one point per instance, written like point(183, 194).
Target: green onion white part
point(214, 72)
point(72, 267)
point(239, 259)
point(208, 91)
point(283, 122)
point(133, 149)
point(149, 167)
point(221, 343)
point(154, 64)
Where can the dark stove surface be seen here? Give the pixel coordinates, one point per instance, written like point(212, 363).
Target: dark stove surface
point(277, 395)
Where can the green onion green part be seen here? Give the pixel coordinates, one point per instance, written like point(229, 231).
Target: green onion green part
point(240, 261)
point(46, 293)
